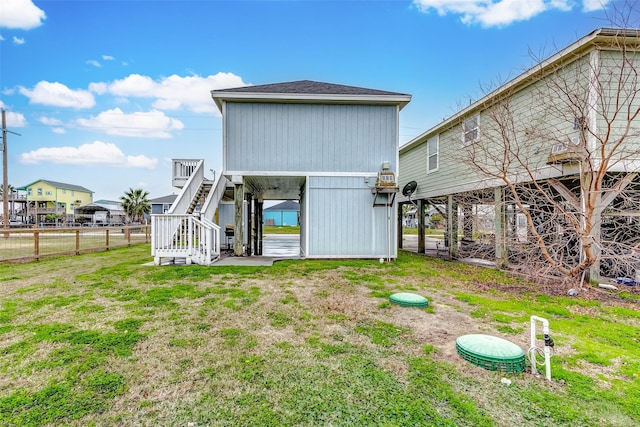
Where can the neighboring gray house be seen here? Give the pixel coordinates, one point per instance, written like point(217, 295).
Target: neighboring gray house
point(161, 205)
point(551, 128)
point(331, 147)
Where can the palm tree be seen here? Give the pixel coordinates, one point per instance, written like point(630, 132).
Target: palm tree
point(136, 204)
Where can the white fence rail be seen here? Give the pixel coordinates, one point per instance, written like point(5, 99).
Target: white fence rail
point(184, 237)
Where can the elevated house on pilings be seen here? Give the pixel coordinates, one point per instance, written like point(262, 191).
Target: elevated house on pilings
point(332, 148)
point(544, 170)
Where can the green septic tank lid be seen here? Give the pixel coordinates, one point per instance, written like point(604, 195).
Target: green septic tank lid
point(491, 352)
point(406, 299)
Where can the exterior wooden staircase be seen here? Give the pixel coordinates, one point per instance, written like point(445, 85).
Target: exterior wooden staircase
point(187, 232)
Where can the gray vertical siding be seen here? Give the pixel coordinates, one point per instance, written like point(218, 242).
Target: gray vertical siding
point(226, 215)
point(310, 137)
point(541, 118)
point(303, 221)
point(344, 222)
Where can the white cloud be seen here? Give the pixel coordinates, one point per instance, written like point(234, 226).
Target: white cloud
point(97, 153)
point(151, 124)
point(175, 92)
point(94, 63)
point(98, 88)
point(108, 58)
point(56, 125)
point(498, 13)
point(58, 95)
point(21, 14)
point(18, 40)
point(1, 38)
point(592, 5)
point(49, 121)
point(15, 119)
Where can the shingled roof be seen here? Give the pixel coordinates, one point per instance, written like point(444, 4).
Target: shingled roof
point(288, 205)
point(309, 87)
point(308, 91)
point(56, 184)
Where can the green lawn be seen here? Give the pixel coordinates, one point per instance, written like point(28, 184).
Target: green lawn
point(427, 231)
point(287, 229)
point(100, 339)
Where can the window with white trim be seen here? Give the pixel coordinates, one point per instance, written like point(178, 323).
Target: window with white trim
point(471, 130)
point(433, 149)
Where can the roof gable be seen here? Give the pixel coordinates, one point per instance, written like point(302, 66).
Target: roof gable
point(307, 87)
point(289, 205)
point(308, 91)
point(594, 40)
point(57, 184)
point(164, 199)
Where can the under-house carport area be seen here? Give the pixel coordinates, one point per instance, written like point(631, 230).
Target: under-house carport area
point(250, 195)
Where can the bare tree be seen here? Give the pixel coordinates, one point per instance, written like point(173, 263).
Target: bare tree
point(563, 148)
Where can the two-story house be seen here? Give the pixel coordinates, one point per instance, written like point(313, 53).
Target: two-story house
point(542, 171)
point(51, 197)
point(332, 148)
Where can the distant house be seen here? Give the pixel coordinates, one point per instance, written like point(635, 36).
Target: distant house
point(283, 214)
point(51, 197)
point(161, 205)
point(103, 212)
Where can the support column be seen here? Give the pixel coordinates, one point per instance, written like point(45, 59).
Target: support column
point(238, 235)
point(467, 222)
point(420, 214)
point(400, 225)
point(502, 258)
point(452, 226)
point(249, 223)
point(259, 219)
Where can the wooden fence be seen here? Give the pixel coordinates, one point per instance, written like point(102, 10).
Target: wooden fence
point(18, 245)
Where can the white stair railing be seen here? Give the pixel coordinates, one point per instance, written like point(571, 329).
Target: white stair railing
point(189, 191)
point(184, 236)
point(212, 201)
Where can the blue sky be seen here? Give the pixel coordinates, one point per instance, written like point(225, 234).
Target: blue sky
point(106, 93)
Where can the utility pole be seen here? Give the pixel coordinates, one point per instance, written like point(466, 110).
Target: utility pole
point(5, 173)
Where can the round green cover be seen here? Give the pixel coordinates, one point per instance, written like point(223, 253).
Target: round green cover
point(406, 299)
point(490, 347)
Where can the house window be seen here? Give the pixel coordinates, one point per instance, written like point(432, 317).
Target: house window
point(64, 191)
point(73, 193)
point(471, 130)
point(48, 193)
point(30, 192)
point(432, 153)
point(39, 191)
